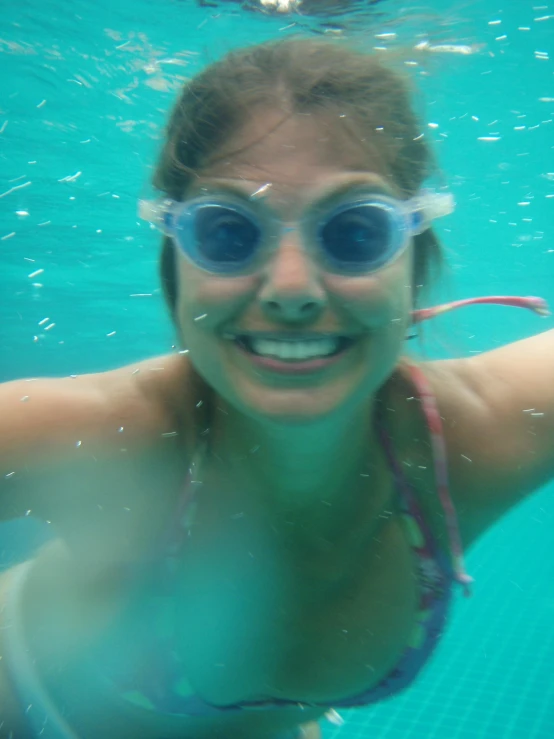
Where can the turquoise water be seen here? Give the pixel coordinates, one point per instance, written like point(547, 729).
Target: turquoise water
point(84, 88)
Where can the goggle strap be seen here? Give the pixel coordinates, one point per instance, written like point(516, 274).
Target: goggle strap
point(429, 206)
point(537, 305)
point(157, 212)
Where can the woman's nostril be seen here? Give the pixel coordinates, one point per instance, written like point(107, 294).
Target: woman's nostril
point(292, 309)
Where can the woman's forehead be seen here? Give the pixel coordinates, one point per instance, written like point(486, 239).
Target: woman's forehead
point(274, 140)
point(295, 157)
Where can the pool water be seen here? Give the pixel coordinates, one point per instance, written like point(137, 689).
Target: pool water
point(84, 90)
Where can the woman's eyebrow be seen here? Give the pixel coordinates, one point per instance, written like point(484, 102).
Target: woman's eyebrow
point(376, 186)
point(223, 185)
point(249, 188)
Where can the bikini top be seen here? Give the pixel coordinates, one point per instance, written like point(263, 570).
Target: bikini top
point(155, 674)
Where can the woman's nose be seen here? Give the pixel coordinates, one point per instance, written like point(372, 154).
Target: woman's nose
point(292, 291)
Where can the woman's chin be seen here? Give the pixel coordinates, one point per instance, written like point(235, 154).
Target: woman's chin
point(297, 404)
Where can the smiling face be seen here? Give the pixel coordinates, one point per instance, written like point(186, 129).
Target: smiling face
point(286, 307)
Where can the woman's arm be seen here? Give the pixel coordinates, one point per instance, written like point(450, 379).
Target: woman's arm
point(50, 424)
point(498, 417)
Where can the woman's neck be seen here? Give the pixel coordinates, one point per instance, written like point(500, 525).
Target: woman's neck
point(298, 467)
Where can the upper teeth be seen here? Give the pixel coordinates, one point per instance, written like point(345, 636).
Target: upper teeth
point(294, 349)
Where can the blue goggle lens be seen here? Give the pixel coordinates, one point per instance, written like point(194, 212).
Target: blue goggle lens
point(359, 236)
point(223, 238)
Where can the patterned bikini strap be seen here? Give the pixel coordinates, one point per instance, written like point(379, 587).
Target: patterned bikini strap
point(179, 527)
point(438, 445)
point(434, 422)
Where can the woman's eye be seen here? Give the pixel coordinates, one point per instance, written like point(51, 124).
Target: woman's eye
point(225, 235)
point(359, 234)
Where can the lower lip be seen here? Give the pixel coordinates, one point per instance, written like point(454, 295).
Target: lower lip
point(293, 367)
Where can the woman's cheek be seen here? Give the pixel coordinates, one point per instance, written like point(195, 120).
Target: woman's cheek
point(373, 302)
point(209, 301)
point(218, 291)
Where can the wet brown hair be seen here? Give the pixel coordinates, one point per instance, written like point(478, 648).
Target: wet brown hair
point(308, 76)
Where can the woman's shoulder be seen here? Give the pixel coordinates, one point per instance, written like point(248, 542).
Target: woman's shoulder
point(152, 398)
point(111, 433)
point(416, 384)
point(42, 417)
point(164, 386)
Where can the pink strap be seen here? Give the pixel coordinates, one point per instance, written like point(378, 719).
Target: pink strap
point(537, 305)
point(434, 423)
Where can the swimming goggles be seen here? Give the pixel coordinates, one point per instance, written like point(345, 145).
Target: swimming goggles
point(358, 234)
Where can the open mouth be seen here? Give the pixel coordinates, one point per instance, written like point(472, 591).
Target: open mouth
point(293, 350)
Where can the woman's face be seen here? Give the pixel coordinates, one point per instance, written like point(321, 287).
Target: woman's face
point(291, 297)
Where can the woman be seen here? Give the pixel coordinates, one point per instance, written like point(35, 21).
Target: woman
point(263, 526)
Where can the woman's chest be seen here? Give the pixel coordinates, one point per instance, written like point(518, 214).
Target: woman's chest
point(254, 619)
